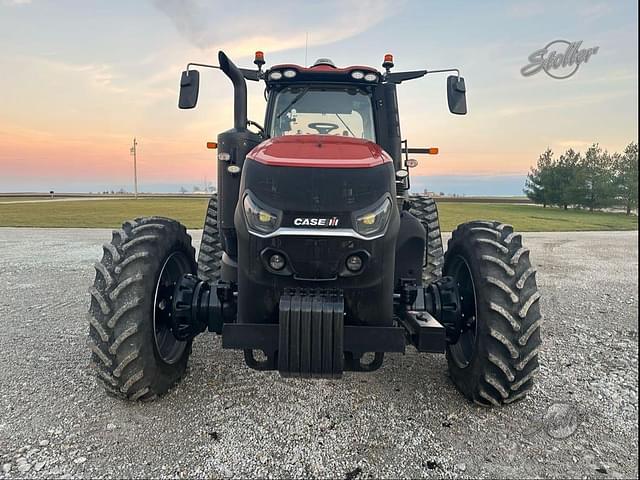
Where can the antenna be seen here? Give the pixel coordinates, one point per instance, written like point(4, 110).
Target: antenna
point(306, 49)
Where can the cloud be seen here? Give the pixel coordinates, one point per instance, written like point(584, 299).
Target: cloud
point(99, 75)
point(281, 26)
point(564, 104)
point(525, 9)
point(12, 3)
point(594, 11)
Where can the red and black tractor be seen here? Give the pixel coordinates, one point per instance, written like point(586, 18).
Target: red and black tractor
point(315, 259)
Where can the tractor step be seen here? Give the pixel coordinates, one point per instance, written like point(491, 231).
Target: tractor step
point(311, 340)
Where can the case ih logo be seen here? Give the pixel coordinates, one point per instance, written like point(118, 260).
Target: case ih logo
point(316, 222)
point(558, 59)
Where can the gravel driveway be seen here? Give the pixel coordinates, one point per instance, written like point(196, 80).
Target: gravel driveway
point(405, 420)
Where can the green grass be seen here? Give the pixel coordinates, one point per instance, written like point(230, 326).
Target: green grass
point(190, 211)
point(530, 218)
point(101, 213)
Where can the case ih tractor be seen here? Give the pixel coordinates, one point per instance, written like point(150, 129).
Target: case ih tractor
point(315, 259)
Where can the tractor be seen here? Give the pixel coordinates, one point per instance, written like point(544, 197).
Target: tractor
point(315, 258)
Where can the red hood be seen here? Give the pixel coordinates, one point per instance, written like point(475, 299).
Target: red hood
point(323, 151)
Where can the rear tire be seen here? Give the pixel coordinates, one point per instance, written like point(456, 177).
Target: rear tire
point(210, 253)
point(424, 208)
point(494, 360)
point(134, 354)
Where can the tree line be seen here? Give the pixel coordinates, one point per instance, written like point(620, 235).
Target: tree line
point(595, 179)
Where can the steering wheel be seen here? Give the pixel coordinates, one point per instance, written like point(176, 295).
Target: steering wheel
point(323, 128)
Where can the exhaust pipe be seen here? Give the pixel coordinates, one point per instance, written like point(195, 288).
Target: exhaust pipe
point(239, 90)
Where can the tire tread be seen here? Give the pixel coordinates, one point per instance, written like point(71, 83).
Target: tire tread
point(510, 310)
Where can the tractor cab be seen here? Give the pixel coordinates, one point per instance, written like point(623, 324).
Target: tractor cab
point(356, 101)
point(322, 100)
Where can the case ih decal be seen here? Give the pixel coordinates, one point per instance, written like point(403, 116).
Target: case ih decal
point(316, 222)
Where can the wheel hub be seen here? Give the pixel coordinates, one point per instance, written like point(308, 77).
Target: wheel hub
point(198, 305)
point(168, 347)
point(463, 347)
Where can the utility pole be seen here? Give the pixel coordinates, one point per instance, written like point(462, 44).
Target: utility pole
point(135, 167)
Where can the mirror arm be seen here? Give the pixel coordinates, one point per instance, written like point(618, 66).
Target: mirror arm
point(399, 77)
point(189, 65)
point(445, 70)
point(254, 75)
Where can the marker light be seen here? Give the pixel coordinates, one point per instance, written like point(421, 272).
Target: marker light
point(258, 60)
point(411, 162)
point(289, 73)
point(224, 156)
point(275, 75)
point(212, 145)
point(388, 62)
point(433, 151)
point(357, 75)
point(233, 169)
point(371, 77)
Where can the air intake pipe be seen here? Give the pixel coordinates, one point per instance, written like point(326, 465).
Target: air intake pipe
point(239, 91)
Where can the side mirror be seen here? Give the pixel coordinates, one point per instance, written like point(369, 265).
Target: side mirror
point(189, 87)
point(456, 95)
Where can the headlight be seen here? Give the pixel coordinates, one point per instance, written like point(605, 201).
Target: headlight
point(371, 77)
point(289, 73)
point(260, 219)
point(357, 75)
point(275, 75)
point(375, 221)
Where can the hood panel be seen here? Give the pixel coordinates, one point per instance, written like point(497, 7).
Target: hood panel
point(321, 151)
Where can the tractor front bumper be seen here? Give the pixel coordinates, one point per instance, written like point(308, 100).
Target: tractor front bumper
point(311, 339)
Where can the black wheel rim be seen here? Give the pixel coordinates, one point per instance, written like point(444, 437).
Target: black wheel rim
point(464, 349)
point(167, 346)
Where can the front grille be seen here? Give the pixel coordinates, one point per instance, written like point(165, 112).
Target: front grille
point(316, 258)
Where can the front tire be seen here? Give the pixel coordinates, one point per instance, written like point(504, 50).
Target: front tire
point(210, 253)
point(424, 208)
point(496, 357)
point(134, 353)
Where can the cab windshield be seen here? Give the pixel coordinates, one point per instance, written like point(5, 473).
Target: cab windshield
point(305, 110)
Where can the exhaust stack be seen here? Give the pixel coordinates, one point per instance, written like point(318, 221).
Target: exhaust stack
point(239, 91)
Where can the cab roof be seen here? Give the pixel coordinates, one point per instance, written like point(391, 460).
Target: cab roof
point(323, 70)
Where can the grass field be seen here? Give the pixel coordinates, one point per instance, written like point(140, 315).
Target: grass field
point(190, 211)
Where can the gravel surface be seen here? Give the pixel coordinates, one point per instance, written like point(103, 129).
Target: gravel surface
point(405, 420)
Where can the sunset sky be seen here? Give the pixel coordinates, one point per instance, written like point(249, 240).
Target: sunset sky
point(80, 78)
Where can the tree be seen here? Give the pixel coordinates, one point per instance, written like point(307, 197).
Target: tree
point(626, 176)
point(597, 188)
point(538, 180)
point(567, 175)
point(183, 190)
